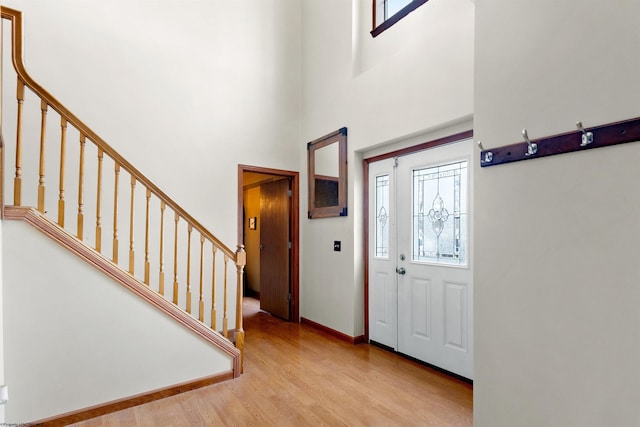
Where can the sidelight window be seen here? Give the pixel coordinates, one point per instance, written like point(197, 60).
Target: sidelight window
point(382, 216)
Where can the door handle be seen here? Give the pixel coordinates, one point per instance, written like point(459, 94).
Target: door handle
point(400, 270)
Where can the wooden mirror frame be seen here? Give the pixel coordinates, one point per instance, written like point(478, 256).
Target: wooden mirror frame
point(340, 209)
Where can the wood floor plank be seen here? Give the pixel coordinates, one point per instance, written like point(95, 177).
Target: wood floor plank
point(299, 376)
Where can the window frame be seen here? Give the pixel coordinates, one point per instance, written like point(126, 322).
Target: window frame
point(392, 20)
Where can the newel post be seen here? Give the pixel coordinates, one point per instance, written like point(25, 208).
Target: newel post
point(241, 261)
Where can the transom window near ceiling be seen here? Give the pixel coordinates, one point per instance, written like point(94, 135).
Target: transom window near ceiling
point(388, 12)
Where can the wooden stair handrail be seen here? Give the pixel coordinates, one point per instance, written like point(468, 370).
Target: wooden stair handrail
point(15, 16)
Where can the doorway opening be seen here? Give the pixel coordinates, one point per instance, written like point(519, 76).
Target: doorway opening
point(268, 226)
point(418, 269)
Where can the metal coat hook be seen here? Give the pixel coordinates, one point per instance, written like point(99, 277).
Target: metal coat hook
point(533, 147)
point(587, 137)
point(488, 156)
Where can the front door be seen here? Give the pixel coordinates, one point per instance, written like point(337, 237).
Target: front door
point(420, 271)
point(274, 247)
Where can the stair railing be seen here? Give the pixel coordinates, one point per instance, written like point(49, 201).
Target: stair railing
point(163, 227)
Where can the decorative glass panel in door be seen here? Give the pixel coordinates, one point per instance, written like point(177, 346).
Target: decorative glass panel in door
point(382, 216)
point(440, 214)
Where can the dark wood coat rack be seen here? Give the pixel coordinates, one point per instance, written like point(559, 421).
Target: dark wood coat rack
point(579, 140)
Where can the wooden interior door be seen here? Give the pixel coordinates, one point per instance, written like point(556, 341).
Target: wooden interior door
point(274, 248)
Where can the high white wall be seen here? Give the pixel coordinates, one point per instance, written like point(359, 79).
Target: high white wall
point(556, 282)
point(413, 78)
point(185, 90)
point(74, 338)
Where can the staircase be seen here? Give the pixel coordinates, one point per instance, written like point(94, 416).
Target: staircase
point(77, 190)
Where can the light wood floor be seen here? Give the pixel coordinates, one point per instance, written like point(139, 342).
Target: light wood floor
point(297, 376)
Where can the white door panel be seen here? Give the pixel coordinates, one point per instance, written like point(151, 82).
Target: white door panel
point(455, 316)
point(383, 308)
point(415, 324)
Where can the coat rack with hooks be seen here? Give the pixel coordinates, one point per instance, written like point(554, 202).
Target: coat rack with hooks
point(581, 139)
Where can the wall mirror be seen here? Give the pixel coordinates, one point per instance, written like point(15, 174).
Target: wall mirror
point(327, 167)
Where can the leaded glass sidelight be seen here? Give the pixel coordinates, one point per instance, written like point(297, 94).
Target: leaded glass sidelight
point(382, 216)
point(440, 214)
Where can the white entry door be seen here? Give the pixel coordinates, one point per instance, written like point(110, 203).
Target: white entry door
point(420, 265)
